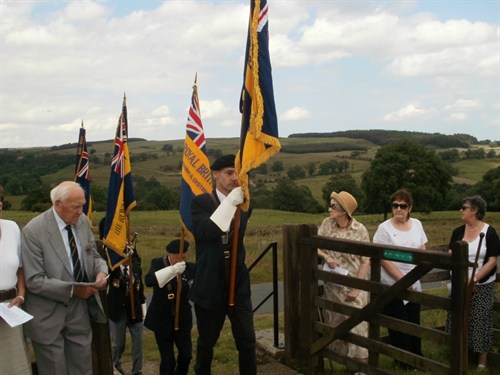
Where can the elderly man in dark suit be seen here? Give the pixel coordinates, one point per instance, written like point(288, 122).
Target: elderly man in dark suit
point(161, 314)
point(212, 215)
point(60, 259)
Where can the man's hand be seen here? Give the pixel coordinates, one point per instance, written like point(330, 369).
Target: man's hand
point(84, 291)
point(179, 267)
point(236, 196)
point(101, 281)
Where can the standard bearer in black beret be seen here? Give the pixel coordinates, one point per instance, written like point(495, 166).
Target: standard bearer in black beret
point(174, 246)
point(224, 161)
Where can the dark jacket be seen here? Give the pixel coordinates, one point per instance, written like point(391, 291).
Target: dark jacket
point(492, 245)
point(119, 301)
point(210, 288)
point(161, 310)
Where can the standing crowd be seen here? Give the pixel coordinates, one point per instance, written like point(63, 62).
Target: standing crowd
point(54, 271)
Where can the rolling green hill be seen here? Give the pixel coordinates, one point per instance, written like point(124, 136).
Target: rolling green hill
point(151, 160)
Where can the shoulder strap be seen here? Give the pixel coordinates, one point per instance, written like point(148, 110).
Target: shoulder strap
point(215, 198)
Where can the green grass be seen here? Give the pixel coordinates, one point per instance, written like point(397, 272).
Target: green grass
point(156, 228)
point(471, 171)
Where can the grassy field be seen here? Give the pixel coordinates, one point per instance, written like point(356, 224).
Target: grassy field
point(156, 228)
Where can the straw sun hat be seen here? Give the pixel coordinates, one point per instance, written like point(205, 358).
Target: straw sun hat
point(346, 201)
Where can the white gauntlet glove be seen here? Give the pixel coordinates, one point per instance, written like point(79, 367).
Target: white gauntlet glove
point(223, 215)
point(168, 273)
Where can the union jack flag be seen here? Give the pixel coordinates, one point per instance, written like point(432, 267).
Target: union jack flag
point(82, 171)
point(196, 176)
point(194, 127)
point(120, 140)
point(121, 199)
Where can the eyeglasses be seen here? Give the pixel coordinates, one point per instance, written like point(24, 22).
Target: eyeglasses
point(463, 208)
point(334, 206)
point(403, 206)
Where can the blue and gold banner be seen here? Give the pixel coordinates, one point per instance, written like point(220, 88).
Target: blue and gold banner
point(196, 176)
point(259, 123)
point(121, 198)
point(82, 171)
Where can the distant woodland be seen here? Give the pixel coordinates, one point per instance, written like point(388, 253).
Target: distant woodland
point(438, 169)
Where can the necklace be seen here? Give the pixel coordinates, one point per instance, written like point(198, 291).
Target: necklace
point(475, 228)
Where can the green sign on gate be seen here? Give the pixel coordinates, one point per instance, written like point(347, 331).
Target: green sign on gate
point(398, 256)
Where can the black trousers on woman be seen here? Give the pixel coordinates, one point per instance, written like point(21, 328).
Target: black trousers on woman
point(409, 312)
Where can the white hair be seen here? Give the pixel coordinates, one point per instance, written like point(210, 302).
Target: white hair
point(61, 191)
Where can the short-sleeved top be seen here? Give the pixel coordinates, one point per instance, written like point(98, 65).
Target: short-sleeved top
point(390, 235)
point(10, 254)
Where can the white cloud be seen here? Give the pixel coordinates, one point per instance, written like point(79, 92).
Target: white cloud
point(62, 62)
point(464, 105)
point(411, 112)
point(295, 113)
point(457, 117)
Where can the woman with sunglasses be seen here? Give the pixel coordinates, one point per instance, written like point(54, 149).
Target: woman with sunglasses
point(401, 230)
point(480, 317)
point(341, 224)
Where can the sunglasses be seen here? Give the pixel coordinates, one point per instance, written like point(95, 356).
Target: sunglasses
point(403, 206)
point(334, 206)
point(463, 208)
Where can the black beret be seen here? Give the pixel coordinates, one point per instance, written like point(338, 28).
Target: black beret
point(225, 161)
point(174, 246)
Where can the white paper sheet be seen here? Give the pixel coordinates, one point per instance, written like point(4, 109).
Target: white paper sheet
point(13, 316)
point(339, 270)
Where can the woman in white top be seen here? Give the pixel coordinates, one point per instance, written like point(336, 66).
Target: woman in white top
point(401, 230)
point(13, 354)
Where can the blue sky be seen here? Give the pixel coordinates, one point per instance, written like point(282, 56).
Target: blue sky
point(430, 66)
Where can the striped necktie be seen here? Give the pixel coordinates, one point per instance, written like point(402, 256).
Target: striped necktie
point(77, 268)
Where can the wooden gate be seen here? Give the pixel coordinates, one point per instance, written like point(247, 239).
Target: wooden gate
point(307, 338)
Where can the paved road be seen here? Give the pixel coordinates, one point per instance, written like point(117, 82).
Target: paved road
point(261, 291)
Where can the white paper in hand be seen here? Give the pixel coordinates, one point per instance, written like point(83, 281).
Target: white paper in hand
point(339, 270)
point(13, 316)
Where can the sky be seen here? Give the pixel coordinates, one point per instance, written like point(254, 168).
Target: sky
point(426, 66)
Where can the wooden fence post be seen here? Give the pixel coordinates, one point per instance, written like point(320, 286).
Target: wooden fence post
point(296, 350)
point(459, 279)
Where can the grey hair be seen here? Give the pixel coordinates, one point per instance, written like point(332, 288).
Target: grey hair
point(478, 203)
point(61, 191)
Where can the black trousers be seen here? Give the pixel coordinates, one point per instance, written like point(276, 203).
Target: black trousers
point(210, 323)
point(165, 341)
point(411, 313)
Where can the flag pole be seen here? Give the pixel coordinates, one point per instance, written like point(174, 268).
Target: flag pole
point(234, 255)
point(130, 272)
point(80, 158)
point(179, 285)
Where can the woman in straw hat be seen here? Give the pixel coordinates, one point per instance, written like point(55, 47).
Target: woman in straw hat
point(341, 224)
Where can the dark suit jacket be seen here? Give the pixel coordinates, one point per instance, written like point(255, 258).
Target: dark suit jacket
point(209, 289)
point(119, 302)
point(159, 316)
point(49, 278)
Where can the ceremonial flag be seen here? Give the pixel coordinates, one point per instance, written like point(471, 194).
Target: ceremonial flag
point(82, 171)
point(121, 197)
point(259, 123)
point(196, 177)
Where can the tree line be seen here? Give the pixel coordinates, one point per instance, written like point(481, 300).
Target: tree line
point(427, 174)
